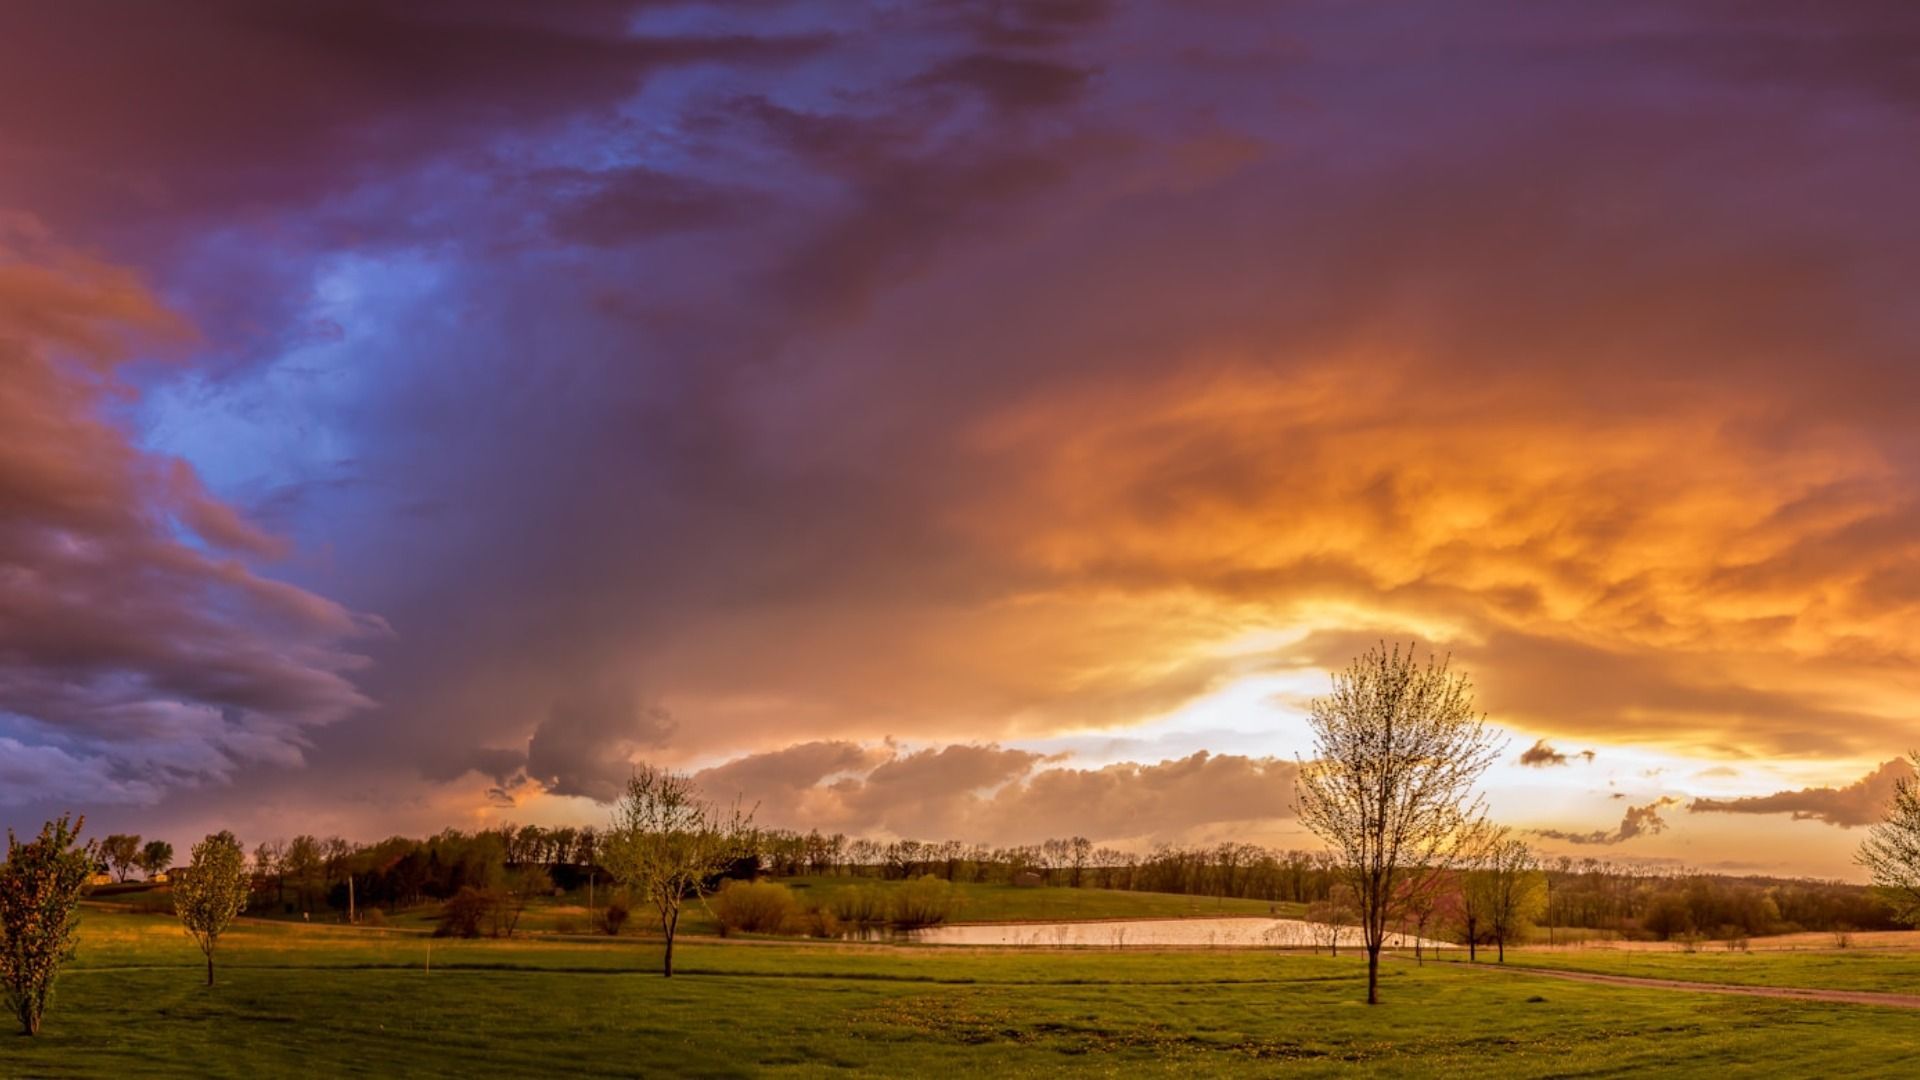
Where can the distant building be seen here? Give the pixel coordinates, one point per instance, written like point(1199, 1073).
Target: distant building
point(1027, 879)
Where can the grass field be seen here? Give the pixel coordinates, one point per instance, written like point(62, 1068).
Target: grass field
point(318, 1001)
point(1842, 969)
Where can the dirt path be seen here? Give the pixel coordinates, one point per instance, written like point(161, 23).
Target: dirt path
point(1850, 997)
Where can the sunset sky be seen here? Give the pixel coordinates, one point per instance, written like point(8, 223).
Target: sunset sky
point(988, 421)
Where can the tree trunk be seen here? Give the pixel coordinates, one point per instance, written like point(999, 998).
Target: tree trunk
point(1373, 974)
point(209, 968)
point(667, 925)
point(1501, 944)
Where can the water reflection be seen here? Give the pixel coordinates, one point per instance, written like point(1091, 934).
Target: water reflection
point(1225, 933)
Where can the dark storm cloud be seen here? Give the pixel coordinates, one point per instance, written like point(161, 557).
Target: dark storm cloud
point(996, 795)
point(226, 106)
point(139, 649)
point(987, 371)
point(1862, 802)
point(1011, 82)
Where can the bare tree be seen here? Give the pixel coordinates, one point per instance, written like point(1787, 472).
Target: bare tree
point(1891, 851)
point(211, 891)
point(1397, 750)
point(1418, 901)
point(1331, 917)
point(522, 885)
point(667, 843)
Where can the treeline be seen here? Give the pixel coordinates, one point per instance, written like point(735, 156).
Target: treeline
point(1668, 904)
point(1241, 871)
point(308, 874)
point(312, 874)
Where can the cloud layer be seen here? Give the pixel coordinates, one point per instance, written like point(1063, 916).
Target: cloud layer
point(700, 382)
point(139, 648)
point(1863, 802)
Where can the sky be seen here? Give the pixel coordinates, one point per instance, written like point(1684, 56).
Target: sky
point(976, 420)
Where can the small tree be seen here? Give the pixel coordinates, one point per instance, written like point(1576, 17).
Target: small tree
point(667, 843)
point(1891, 851)
point(1397, 750)
point(522, 885)
point(1418, 899)
point(1506, 891)
point(1331, 916)
point(211, 891)
point(39, 900)
point(121, 853)
point(155, 858)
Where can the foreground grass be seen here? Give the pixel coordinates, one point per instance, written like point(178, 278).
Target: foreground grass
point(323, 1002)
point(1842, 969)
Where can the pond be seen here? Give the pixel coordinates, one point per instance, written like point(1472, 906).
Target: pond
point(1225, 933)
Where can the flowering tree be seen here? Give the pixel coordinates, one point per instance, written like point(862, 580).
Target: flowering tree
point(1397, 750)
point(1891, 852)
point(667, 844)
point(39, 897)
point(211, 891)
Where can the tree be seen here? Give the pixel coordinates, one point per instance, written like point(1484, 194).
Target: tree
point(1397, 750)
point(155, 858)
point(211, 891)
point(1891, 851)
point(39, 900)
point(302, 861)
point(522, 885)
point(1418, 899)
point(1331, 916)
point(1506, 891)
point(666, 843)
point(121, 853)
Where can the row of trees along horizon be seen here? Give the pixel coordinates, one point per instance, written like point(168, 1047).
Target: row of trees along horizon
point(1398, 750)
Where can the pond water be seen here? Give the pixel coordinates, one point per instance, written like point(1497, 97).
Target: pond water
point(1239, 933)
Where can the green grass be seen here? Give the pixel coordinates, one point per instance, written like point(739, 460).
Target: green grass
point(1844, 969)
point(296, 1000)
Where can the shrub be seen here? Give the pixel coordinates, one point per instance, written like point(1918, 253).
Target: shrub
point(923, 901)
point(466, 912)
point(613, 917)
point(816, 920)
point(858, 905)
point(753, 907)
point(373, 916)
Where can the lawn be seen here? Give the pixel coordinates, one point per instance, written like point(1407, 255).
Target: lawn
point(1888, 971)
point(328, 1001)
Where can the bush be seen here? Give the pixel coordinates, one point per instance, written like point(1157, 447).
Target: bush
point(923, 901)
point(753, 907)
point(613, 917)
point(859, 905)
point(373, 916)
point(466, 911)
point(814, 921)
